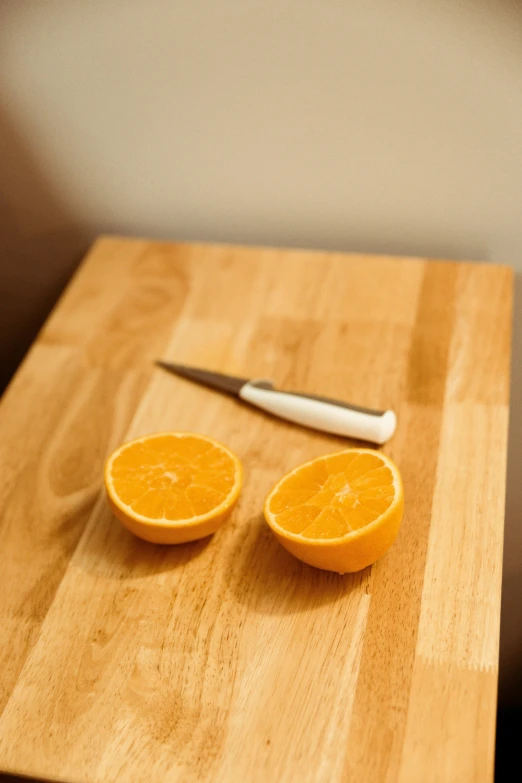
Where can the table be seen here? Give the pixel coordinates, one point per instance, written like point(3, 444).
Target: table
point(226, 659)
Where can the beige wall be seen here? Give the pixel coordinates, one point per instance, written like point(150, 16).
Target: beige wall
point(381, 125)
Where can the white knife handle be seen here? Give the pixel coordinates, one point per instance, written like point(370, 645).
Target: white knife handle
point(339, 419)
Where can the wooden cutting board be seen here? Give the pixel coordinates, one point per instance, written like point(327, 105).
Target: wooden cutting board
point(228, 660)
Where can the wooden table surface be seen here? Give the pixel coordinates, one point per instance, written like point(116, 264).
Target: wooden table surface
point(228, 660)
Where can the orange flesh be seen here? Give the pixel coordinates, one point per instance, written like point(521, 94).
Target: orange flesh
point(334, 496)
point(173, 478)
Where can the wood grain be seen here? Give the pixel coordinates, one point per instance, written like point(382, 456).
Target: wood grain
point(226, 659)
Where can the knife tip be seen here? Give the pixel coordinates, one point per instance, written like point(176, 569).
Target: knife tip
point(162, 364)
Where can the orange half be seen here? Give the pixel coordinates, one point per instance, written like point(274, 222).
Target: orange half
point(173, 487)
point(340, 512)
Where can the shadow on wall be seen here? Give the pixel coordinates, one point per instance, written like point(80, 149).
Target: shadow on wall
point(41, 243)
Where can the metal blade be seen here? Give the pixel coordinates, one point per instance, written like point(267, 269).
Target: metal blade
point(216, 380)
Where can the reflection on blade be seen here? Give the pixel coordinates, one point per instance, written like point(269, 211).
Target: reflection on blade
point(216, 380)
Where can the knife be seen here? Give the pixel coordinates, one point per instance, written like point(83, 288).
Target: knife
point(309, 410)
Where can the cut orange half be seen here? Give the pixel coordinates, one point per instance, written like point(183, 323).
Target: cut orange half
point(340, 512)
point(173, 486)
